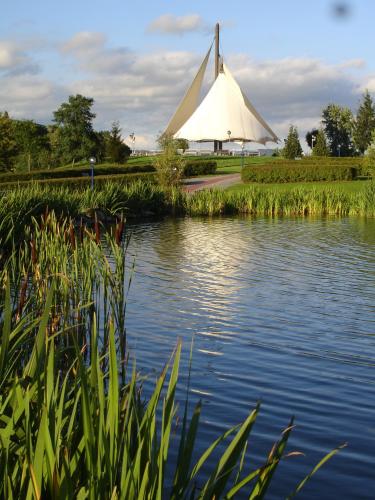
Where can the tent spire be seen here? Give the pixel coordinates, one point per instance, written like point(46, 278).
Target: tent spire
point(218, 145)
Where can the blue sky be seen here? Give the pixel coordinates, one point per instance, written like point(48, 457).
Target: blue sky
point(137, 58)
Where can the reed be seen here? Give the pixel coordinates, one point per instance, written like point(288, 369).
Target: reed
point(299, 201)
point(140, 199)
point(73, 421)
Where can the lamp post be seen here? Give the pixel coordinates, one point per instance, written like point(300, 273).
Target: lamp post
point(339, 147)
point(92, 163)
point(313, 139)
point(229, 134)
point(132, 138)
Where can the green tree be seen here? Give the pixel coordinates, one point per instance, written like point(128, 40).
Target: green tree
point(32, 143)
point(370, 156)
point(338, 126)
point(76, 137)
point(182, 144)
point(364, 123)
point(292, 148)
point(311, 137)
point(169, 164)
point(321, 147)
point(8, 145)
point(115, 149)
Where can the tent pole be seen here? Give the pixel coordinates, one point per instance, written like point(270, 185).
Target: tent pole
point(218, 145)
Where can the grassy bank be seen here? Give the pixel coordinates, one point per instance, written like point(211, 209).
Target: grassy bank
point(343, 186)
point(73, 421)
point(19, 206)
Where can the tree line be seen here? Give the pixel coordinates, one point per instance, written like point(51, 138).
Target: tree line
point(341, 133)
point(26, 145)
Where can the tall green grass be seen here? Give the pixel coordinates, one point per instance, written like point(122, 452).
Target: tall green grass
point(73, 421)
point(140, 199)
point(298, 201)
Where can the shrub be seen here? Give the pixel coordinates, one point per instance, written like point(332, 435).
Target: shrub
point(169, 165)
point(307, 170)
point(200, 167)
point(69, 172)
point(83, 181)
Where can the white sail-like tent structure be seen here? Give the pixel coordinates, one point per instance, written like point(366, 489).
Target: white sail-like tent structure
point(225, 114)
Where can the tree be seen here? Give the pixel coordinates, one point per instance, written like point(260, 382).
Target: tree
point(169, 165)
point(370, 156)
point(364, 123)
point(338, 126)
point(115, 149)
point(320, 146)
point(8, 145)
point(292, 148)
point(311, 137)
point(76, 137)
point(32, 143)
point(182, 144)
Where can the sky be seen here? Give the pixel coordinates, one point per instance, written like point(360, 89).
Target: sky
point(137, 59)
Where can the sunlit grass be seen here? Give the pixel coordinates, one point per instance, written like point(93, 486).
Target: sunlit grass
point(344, 186)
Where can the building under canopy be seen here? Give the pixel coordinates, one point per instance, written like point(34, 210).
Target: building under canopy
point(225, 114)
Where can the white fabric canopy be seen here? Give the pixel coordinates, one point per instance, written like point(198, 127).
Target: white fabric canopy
point(225, 108)
point(190, 100)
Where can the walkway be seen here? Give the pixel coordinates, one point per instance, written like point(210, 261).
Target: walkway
point(217, 181)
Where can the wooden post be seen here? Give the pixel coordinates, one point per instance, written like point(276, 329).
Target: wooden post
point(218, 145)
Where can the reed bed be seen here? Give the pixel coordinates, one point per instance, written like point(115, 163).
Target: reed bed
point(298, 201)
point(140, 199)
point(73, 421)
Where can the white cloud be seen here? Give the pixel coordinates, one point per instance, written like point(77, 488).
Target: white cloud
point(33, 97)
point(90, 52)
point(143, 90)
point(369, 84)
point(14, 59)
point(177, 25)
point(83, 42)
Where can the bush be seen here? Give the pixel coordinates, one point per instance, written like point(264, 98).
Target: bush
point(169, 165)
point(306, 170)
point(83, 181)
point(72, 172)
point(200, 167)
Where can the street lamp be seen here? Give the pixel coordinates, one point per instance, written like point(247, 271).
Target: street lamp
point(132, 138)
point(229, 134)
point(92, 163)
point(339, 146)
point(242, 153)
point(313, 139)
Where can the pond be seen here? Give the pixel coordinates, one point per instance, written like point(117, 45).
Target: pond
point(282, 311)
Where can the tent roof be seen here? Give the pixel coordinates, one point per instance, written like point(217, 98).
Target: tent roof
point(225, 108)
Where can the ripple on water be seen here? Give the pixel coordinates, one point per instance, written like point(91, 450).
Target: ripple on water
point(282, 310)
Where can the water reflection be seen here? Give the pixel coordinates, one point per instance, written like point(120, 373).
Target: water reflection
point(282, 310)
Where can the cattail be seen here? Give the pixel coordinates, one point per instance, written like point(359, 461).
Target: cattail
point(81, 231)
point(97, 230)
point(22, 300)
point(33, 250)
point(119, 230)
point(72, 236)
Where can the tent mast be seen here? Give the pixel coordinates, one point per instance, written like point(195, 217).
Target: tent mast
point(218, 145)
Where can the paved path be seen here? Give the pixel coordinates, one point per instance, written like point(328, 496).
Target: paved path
point(217, 181)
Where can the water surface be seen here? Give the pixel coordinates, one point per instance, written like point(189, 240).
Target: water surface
point(282, 311)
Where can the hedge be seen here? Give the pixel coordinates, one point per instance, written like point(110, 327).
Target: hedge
point(65, 173)
point(306, 170)
point(84, 181)
point(202, 167)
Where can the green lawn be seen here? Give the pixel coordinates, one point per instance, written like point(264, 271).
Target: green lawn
point(232, 165)
point(346, 186)
point(225, 164)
